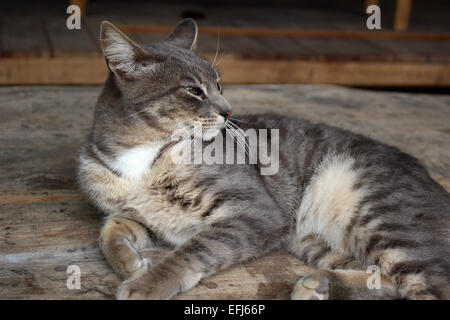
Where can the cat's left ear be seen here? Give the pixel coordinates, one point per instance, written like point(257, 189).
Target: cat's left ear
point(185, 34)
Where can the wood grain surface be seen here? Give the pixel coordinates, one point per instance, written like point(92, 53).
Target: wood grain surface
point(45, 225)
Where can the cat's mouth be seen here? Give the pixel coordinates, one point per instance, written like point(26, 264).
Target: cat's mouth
point(211, 126)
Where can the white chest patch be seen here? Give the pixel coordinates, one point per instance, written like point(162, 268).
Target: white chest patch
point(135, 161)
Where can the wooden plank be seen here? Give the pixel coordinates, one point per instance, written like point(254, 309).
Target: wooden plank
point(82, 4)
point(44, 276)
point(344, 73)
point(48, 227)
point(241, 70)
point(113, 11)
point(286, 48)
point(415, 50)
point(370, 3)
point(271, 277)
point(346, 49)
point(242, 47)
point(239, 31)
point(9, 199)
point(78, 70)
point(40, 136)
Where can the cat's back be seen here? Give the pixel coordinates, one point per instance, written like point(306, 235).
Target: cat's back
point(340, 179)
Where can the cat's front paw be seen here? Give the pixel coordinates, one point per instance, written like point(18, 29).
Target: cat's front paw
point(131, 290)
point(136, 268)
point(146, 287)
point(127, 261)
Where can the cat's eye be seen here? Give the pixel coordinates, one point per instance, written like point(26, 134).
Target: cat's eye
point(195, 91)
point(219, 87)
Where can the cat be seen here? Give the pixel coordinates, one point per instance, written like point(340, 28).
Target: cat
point(339, 201)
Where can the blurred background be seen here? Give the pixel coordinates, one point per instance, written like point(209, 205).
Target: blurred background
point(279, 42)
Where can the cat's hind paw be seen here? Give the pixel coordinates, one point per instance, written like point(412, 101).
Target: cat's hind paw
point(313, 286)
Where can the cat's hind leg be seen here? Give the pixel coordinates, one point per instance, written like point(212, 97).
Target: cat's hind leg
point(342, 277)
point(313, 251)
point(339, 276)
point(416, 278)
point(342, 285)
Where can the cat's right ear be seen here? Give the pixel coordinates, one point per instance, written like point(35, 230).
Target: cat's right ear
point(124, 57)
point(185, 34)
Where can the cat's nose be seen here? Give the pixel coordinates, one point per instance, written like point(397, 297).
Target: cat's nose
point(225, 114)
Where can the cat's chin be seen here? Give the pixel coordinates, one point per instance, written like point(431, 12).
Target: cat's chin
point(209, 134)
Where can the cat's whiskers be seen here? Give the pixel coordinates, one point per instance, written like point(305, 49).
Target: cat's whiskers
point(230, 130)
point(217, 47)
point(236, 127)
point(240, 140)
point(238, 120)
point(224, 56)
point(239, 131)
point(220, 60)
point(197, 132)
point(133, 114)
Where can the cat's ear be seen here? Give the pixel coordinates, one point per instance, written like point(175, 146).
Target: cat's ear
point(124, 57)
point(185, 34)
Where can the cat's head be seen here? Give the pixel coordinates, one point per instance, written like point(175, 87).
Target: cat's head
point(166, 83)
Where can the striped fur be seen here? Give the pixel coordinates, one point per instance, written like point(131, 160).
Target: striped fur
point(340, 201)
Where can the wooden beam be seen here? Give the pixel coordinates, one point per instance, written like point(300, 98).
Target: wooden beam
point(266, 32)
point(370, 3)
point(341, 73)
point(80, 3)
point(239, 70)
point(8, 199)
point(402, 15)
point(59, 70)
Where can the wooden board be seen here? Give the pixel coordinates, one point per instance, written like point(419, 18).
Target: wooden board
point(414, 50)
point(80, 70)
point(331, 49)
point(45, 225)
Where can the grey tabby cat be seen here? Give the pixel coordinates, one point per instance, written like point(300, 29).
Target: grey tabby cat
point(339, 202)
